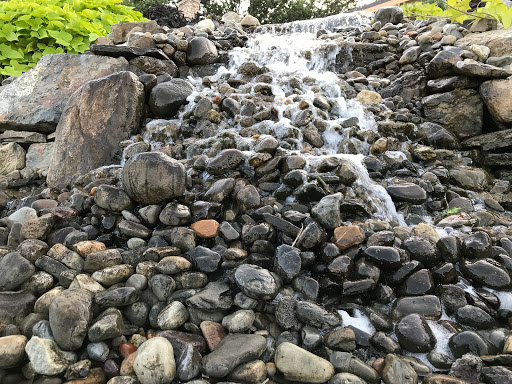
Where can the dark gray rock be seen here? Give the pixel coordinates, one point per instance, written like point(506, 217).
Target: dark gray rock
point(316, 316)
point(127, 52)
point(153, 177)
point(226, 160)
point(414, 334)
point(201, 51)
point(393, 15)
point(166, 98)
point(111, 198)
point(205, 260)
point(487, 272)
point(287, 262)
point(407, 192)
point(155, 66)
point(256, 282)
point(468, 342)
point(15, 271)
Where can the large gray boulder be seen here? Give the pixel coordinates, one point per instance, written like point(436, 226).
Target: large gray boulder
point(70, 315)
point(166, 98)
point(393, 15)
point(201, 51)
point(35, 100)
point(97, 117)
point(460, 111)
point(153, 177)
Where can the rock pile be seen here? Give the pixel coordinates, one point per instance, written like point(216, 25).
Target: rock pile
point(188, 209)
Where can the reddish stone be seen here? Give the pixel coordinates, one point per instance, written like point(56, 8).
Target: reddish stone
point(126, 349)
point(206, 229)
point(378, 365)
point(213, 333)
point(87, 247)
point(127, 366)
point(348, 236)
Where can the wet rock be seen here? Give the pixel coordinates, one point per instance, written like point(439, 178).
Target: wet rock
point(46, 358)
point(428, 306)
point(342, 339)
point(496, 375)
point(154, 362)
point(297, 364)
point(112, 104)
point(442, 64)
point(397, 370)
point(467, 368)
point(232, 351)
point(472, 178)
point(487, 272)
point(422, 250)
point(346, 362)
point(407, 192)
point(226, 160)
point(385, 257)
point(474, 317)
point(348, 236)
point(287, 262)
point(468, 342)
point(21, 110)
point(316, 316)
point(252, 372)
point(204, 259)
point(256, 282)
point(201, 51)
point(153, 177)
point(328, 212)
point(414, 334)
point(166, 98)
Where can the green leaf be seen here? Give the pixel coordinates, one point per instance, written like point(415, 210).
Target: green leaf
point(61, 37)
point(10, 53)
point(9, 32)
point(451, 211)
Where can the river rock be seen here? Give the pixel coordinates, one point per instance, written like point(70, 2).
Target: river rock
point(12, 350)
point(154, 362)
point(232, 351)
point(328, 211)
point(46, 358)
point(297, 364)
point(111, 198)
point(173, 316)
point(12, 157)
point(256, 282)
point(50, 84)
point(155, 66)
point(15, 271)
point(407, 192)
point(468, 342)
point(153, 177)
point(201, 51)
point(70, 315)
point(166, 98)
point(226, 160)
point(348, 236)
point(97, 117)
point(39, 155)
point(414, 334)
point(487, 272)
point(396, 370)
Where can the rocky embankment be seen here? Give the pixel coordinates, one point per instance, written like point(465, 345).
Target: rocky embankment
point(251, 204)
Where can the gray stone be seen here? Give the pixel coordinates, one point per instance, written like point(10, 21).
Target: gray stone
point(173, 316)
point(154, 362)
point(396, 370)
point(232, 351)
point(155, 66)
point(97, 117)
point(70, 315)
point(407, 192)
point(153, 177)
point(166, 98)
point(15, 271)
point(46, 358)
point(393, 15)
point(120, 31)
point(414, 334)
point(256, 282)
point(328, 211)
point(460, 111)
point(36, 99)
point(39, 155)
point(201, 51)
point(111, 198)
point(297, 364)
point(12, 350)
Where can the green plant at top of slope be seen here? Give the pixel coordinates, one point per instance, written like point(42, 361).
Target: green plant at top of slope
point(460, 11)
point(449, 211)
point(30, 29)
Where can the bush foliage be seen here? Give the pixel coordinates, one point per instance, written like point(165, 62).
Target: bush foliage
point(29, 29)
point(460, 11)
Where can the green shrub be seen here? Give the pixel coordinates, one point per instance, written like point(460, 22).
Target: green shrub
point(29, 29)
point(460, 10)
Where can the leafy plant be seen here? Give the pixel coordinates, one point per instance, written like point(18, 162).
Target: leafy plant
point(29, 29)
point(460, 10)
point(451, 211)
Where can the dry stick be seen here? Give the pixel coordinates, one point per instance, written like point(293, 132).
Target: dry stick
point(298, 235)
point(324, 185)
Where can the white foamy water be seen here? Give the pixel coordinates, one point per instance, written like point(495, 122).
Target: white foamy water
point(359, 321)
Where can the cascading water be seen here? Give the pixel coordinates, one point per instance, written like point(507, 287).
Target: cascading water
point(303, 58)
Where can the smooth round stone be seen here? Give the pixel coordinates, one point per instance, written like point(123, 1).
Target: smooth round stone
point(173, 316)
point(414, 334)
point(46, 358)
point(41, 204)
point(256, 282)
point(408, 193)
point(12, 350)
point(23, 215)
point(397, 370)
point(467, 342)
point(111, 198)
point(154, 362)
point(135, 242)
point(137, 281)
point(252, 372)
point(153, 177)
point(475, 317)
point(346, 378)
point(15, 271)
point(98, 351)
point(422, 250)
point(239, 321)
point(42, 329)
point(297, 364)
point(476, 245)
point(384, 257)
point(108, 325)
point(487, 272)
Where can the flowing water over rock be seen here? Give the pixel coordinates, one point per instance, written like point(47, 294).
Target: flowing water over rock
point(285, 211)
